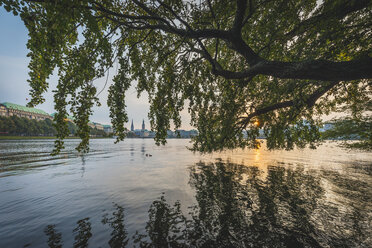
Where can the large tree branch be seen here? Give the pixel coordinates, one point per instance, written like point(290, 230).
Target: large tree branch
point(309, 103)
point(311, 70)
point(241, 6)
point(318, 69)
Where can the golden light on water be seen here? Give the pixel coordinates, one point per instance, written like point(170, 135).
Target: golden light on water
point(257, 154)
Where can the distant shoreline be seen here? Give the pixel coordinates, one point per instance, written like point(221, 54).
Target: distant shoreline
point(42, 137)
point(53, 137)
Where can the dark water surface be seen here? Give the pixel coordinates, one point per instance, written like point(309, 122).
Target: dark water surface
point(116, 196)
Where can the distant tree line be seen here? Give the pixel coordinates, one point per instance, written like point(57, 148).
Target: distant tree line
point(22, 126)
point(25, 127)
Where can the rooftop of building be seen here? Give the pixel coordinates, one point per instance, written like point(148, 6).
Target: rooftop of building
point(68, 116)
point(23, 108)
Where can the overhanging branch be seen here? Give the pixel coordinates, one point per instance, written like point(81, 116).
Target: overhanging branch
point(309, 103)
point(312, 70)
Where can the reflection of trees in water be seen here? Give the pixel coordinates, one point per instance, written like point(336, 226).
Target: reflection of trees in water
point(54, 238)
point(116, 222)
point(166, 226)
point(351, 222)
point(237, 207)
point(83, 233)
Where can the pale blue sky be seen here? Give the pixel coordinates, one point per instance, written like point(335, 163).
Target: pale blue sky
point(14, 73)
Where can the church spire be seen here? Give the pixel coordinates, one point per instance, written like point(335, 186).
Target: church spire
point(143, 125)
point(132, 127)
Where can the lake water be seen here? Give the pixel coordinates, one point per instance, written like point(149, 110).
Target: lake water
point(116, 196)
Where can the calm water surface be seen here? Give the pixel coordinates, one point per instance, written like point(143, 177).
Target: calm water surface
point(116, 196)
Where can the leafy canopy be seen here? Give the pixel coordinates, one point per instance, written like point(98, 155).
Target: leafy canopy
point(237, 66)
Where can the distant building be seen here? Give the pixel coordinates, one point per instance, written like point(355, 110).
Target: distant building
point(3, 110)
point(99, 126)
point(8, 109)
point(68, 118)
point(11, 109)
point(108, 129)
point(96, 125)
point(181, 133)
point(144, 133)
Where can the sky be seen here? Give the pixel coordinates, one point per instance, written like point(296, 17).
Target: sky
point(14, 74)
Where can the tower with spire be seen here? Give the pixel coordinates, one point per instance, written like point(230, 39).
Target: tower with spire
point(143, 125)
point(132, 127)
